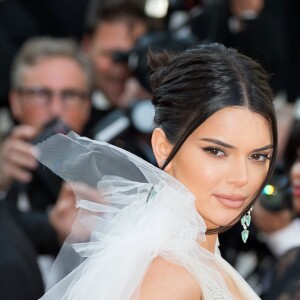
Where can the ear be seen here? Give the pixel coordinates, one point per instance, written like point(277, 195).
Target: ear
point(15, 105)
point(161, 148)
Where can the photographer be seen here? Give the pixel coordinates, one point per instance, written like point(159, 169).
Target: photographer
point(117, 37)
point(50, 80)
point(114, 26)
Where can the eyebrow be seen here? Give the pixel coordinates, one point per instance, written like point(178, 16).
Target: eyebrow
point(223, 144)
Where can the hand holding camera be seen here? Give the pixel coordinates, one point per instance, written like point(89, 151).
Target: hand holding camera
point(18, 154)
point(17, 159)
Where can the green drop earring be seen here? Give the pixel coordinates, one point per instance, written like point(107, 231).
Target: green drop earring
point(245, 221)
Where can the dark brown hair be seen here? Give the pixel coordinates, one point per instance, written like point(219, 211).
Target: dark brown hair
point(190, 86)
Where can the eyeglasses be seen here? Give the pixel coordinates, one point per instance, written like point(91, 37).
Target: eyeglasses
point(42, 97)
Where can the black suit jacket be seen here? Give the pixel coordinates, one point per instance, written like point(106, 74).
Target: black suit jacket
point(20, 277)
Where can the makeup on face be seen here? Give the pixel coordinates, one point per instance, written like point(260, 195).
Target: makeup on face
point(224, 163)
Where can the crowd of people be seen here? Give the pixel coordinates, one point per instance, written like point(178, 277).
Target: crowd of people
point(75, 73)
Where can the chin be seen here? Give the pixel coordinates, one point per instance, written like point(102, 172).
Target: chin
point(221, 222)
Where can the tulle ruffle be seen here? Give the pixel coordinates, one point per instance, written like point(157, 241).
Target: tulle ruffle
point(129, 213)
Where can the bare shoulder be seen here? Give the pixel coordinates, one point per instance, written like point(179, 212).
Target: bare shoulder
point(165, 280)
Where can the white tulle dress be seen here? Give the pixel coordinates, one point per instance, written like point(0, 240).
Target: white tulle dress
point(129, 213)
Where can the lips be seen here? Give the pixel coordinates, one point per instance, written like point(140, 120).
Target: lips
point(231, 200)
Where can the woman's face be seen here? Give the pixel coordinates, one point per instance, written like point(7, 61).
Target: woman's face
point(295, 182)
point(224, 162)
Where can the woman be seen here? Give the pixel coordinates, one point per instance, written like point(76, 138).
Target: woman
point(149, 235)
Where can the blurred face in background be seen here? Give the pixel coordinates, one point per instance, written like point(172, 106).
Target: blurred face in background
point(110, 36)
point(55, 87)
point(295, 182)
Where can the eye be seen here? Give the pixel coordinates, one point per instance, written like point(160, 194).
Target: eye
point(214, 151)
point(260, 157)
point(70, 95)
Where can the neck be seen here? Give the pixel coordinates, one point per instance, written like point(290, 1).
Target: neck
point(210, 243)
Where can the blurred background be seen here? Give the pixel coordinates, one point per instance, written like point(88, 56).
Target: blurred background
point(82, 65)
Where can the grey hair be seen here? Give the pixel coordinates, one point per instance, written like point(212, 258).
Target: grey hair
point(38, 48)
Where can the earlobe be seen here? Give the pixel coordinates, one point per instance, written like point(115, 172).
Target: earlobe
point(161, 148)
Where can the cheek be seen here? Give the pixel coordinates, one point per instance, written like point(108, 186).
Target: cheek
point(198, 174)
point(295, 171)
point(36, 118)
point(103, 64)
point(76, 120)
point(256, 178)
point(206, 180)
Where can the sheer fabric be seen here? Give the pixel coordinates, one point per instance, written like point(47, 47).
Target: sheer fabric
point(129, 213)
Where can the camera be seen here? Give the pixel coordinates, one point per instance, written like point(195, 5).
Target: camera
point(136, 58)
point(43, 179)
point(55, 126)
point(138, 117)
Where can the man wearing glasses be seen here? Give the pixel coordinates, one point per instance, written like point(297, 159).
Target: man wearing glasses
point(51, 82)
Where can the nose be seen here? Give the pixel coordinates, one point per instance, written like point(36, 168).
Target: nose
point(238, 172)
point(56, 106)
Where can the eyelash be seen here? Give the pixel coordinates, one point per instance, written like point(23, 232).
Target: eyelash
point(212, 151)
point(264, 155)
